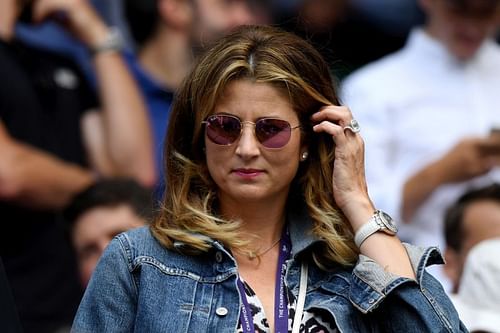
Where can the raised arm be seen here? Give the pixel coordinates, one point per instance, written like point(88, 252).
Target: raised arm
point(126, 129)
point(31, 177)
point(350, 190)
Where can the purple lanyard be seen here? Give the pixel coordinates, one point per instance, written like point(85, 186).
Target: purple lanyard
point(280, 297)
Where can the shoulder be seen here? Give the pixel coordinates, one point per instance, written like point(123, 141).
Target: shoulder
point(140, 248)
point(139, 242)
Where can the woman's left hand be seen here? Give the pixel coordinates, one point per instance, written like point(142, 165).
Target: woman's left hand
point(349, 183)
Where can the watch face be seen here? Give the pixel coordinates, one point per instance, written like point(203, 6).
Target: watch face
point(388, 222)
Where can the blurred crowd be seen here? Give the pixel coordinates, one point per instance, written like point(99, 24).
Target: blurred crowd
point(84, 105)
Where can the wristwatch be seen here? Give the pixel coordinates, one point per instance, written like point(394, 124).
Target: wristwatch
point(113, 41)
point(380, 221)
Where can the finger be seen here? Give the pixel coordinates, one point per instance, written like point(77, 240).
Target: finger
point(335, 130)
point(338, 114)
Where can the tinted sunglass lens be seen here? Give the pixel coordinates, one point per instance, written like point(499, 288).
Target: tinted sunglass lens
point(223, 130)
point(273, 133)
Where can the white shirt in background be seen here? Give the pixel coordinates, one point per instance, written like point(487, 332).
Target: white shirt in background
point(413, 106)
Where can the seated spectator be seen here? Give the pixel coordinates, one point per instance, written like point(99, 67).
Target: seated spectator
point(475, 217)
point(478, 298)
point(102, 211)
point(55, 137)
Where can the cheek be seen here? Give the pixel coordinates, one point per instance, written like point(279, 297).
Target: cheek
point(217, 159)
point(87, 267)
point(285, 162)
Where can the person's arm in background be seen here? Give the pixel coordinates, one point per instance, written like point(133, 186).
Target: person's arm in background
point(394, 187)
point(470, 158)
point(34, 178)
point(124, 128)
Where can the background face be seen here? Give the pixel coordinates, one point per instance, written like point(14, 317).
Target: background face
point(214, 18)
point(95, 229)
point(481, 221)
point(461, 30)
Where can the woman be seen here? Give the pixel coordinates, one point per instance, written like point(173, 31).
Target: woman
point(259, 154)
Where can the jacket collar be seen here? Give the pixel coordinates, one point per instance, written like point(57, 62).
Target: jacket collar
point(300, 227)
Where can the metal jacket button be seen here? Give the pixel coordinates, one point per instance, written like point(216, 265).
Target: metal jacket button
point(222, 311)
point(218, 256)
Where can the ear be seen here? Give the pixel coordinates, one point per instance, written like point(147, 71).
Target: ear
point(175, 13)
point(453, 267)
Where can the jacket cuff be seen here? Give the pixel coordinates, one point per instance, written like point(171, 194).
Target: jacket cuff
point(371, 283)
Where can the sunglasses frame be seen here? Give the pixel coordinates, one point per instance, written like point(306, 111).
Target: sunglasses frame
point(242, 123)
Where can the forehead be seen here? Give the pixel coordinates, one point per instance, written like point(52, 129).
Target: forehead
point(98, 220)
point(244, 96)
point(482, 220)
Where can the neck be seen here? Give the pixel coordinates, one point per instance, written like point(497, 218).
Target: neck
point(167, 57)
point(265, 220)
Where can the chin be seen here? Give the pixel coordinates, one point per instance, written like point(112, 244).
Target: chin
point(466, 52)
point(252, 194)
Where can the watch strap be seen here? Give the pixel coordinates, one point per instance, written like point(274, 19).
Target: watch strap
point(366, 231)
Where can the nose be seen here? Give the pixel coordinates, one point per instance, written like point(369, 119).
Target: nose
point(247, 145)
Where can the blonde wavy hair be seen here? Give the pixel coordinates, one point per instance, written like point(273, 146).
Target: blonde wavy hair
point(285, 61)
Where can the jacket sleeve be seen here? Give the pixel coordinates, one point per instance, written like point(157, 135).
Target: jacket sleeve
point(109, 302)
point(397, 304)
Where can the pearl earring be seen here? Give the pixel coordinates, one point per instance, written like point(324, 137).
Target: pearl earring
point(304, 156)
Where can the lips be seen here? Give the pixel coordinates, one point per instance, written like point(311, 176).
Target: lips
point(248, 173)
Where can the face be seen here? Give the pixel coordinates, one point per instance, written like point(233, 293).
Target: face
point(95, 229)
point(462, 30)
point(214, 18)
point(246, 171)
point(322, 15)
point(481, 221)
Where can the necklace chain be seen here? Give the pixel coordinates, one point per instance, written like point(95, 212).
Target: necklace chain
point(254, 255)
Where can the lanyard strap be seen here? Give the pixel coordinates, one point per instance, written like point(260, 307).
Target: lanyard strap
point(280, 297)
point(301, 299)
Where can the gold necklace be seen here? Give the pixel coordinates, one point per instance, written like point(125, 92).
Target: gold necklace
point(253, 255)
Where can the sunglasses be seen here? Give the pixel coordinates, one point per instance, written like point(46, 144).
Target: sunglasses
point(224, 130)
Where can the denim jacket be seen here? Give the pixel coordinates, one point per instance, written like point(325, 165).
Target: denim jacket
point(140, 286)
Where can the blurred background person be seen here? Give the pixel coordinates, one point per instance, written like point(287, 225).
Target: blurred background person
point(427, 112)
point(473, 218)
point(478, 298)
point(349, 33)
point(50, 36)
point(168, 35)
point(100, 212)
point(53, 143)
